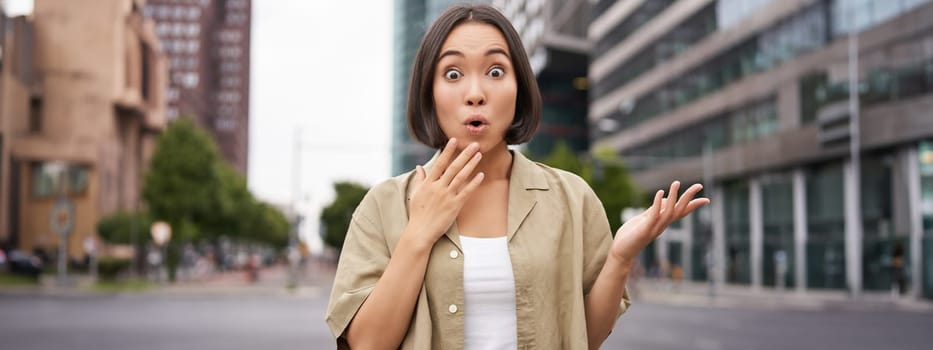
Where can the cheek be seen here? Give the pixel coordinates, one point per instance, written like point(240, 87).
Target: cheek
point(509, 95)
point(444, 100)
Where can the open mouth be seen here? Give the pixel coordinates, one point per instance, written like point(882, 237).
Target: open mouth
point(475, 127)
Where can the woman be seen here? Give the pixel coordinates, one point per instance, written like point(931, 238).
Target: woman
point(482, 248)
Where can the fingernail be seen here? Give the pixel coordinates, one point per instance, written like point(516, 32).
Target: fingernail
point(451, 141)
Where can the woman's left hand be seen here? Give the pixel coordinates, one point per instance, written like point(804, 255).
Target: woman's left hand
point(638, 232)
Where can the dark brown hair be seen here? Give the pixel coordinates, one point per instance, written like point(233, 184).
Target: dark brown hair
point(422, 119)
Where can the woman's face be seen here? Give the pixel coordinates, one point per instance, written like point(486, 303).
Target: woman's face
point(474, 86)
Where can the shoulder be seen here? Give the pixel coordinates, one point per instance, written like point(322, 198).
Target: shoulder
point(563, 180)
point(391, 190)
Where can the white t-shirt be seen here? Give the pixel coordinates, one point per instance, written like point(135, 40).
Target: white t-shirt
point(489, 294)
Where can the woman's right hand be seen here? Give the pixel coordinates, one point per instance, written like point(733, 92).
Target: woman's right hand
point(438, 195)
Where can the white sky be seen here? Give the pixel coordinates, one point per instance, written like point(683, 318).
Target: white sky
point(324, 67)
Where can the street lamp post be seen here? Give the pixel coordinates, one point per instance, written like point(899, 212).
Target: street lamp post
point(853, 237)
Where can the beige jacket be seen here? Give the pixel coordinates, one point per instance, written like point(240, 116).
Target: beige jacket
point(558, 236)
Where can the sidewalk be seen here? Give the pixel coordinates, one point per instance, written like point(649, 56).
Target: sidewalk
point(313, 281)
point(697, 294)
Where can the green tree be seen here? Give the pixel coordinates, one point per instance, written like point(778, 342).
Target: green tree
point(336, 217)
point(202, 197)
point(118, 228)
point(605, 173)
point(182, 185)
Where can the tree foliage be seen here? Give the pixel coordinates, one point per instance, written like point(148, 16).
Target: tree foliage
point(606, 175)
point(336, 216)
point(118, 228)
point(202, 197)
point(182, 185)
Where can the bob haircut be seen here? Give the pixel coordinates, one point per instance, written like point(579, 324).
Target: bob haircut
point(422, 119)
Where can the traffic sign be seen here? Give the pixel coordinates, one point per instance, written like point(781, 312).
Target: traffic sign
point(61, 218)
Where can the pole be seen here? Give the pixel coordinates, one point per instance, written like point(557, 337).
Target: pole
point(63, 258)
point(854, 232)
point(296, 197)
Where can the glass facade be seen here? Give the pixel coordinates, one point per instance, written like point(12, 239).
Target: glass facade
point(702, 245)
point(864, 14)
point(881, 85)
point(643, 14)
point(748, 123)
point(878, 238)
point(409, 26)
point(738, 233)
point(926, 205)
point(563, 116)
point(674, 42)
point(786, 40)
point(778, 220)
point(825, 245)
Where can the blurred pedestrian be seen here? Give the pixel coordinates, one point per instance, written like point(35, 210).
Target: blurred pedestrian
point(897, 267)
point(483, 248)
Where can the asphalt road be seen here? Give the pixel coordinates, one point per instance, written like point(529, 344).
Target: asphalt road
point(237, 321)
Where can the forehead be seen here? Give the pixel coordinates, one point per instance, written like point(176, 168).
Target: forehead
point(474, 36)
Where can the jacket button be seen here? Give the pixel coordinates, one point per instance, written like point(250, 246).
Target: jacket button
point(454, 254)
point(452, 308)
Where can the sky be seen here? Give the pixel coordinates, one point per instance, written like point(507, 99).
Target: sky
point(321, 71)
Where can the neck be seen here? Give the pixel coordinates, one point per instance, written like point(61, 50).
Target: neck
point(496, 163)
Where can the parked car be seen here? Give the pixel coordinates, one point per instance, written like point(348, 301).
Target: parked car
point(22, 263)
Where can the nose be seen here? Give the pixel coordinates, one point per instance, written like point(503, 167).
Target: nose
point(475, 95)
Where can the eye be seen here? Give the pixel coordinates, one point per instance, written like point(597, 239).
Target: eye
point(496, 72)
point(452, 74)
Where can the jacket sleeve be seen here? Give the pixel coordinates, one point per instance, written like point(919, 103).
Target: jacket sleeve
point(597, 238)
point(363, 259)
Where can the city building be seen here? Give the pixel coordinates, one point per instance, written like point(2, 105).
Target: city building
point(81, 104)
point(554, 34)
point(207, 43)
point(752, 98)
point(412, 18)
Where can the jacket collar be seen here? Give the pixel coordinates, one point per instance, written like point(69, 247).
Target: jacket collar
point(525, 179)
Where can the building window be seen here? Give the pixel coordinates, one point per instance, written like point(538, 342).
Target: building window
point(35, 115)
point(51, 178)
point(192, 46)
point(231, 36)
point(225, 123)
point(194, 13)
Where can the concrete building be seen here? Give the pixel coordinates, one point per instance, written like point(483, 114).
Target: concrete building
point(554, 34)
point(81, 102)
point(412, 18)
point(207, 43)
point(752, 99)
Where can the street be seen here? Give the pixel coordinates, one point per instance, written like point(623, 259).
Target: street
point(237, 320)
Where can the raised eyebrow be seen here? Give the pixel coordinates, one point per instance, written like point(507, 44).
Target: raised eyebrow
point(498, 51)
point(449, 53)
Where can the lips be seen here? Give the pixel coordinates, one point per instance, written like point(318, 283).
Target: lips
point(476, 124)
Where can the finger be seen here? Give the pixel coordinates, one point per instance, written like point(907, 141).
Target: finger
point(656, 205)
point(416, 182)
point(462, 159)
point(464, 175)
point(694, 205)
point(687, 197)
point(443, 160)
point(668, 211)
point(470, 187)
